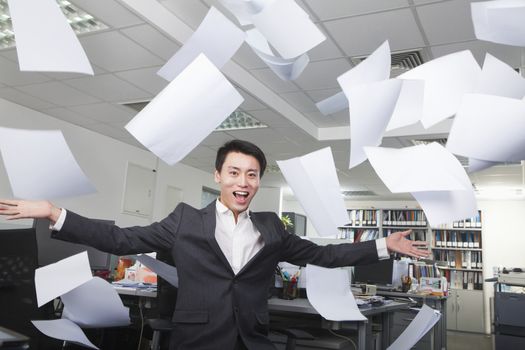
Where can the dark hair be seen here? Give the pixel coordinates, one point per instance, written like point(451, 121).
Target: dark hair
point(240, 146)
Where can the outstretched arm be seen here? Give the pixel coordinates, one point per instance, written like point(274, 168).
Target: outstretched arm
point(22, 209)
point(397, 242)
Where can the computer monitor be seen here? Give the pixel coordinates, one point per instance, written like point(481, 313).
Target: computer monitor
point(52, 250)
point(379, 273)
point(298, 223)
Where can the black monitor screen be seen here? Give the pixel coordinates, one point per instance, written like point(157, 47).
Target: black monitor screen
point(377, 273)
point(52, 250)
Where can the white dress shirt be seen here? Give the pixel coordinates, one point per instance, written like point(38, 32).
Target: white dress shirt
point(239, 241)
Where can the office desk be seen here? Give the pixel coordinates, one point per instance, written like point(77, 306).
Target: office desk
point(364, 328)
point(139, 292)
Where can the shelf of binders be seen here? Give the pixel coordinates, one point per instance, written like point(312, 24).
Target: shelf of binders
point(408, 218)
point(473, 223)
point(354, 234)
point(363, 217)
point(450, 238)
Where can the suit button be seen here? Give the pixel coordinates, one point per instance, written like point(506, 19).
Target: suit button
point(236, 310)
point(234, 282)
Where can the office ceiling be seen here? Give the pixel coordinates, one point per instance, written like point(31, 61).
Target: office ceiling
point(126, 56)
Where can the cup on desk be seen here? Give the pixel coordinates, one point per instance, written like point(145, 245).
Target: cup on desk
point(406, 283)
point(289, 291)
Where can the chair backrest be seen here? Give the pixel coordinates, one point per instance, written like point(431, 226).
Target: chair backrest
point(166, 293)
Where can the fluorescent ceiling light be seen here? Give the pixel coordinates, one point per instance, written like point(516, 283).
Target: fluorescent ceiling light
point(240, 120)
point(80, 21)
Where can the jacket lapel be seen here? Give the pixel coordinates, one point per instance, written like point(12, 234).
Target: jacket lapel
point(209, 222)
point(266, 236)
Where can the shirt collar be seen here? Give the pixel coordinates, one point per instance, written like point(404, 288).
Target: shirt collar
point(222, 209)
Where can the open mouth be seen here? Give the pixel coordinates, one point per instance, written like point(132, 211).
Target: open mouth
point(241, 195)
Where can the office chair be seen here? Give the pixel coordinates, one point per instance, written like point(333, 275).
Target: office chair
point(166, 299)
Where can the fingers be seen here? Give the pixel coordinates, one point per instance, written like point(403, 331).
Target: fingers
point(9, 202)
point(406, 233)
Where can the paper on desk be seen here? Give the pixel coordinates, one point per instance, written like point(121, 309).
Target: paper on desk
point(425, 319)
point(431, 174)
point(499, 21)
point(446, 79)
point(314, 181)
point(288, 28)
point(166, 271)
point(46, 45)
point(489, 128)
point(286, 69)
point(40, 165)
point(243, 10)
point(371, 106)
point(186, 111)
point(55, 279)
point(217, 37)
point(64, 330)
point(498, 78)
point(95, 304)
point(328, 291)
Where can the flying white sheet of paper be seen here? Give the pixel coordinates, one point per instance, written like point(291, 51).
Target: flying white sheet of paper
point(333, 104)
point(40, 165)
point(489, 128)
point(50, 45)
point(447, 79)
point(417, 168)
point(53, 280)
point(286, 69)
point(314, 181)
point(95, 304)
point(217, 37)
point(186, 111)
point(63, 329)
point(375, 67)
point(243, 10)
point(288, 28)
point(475, 165)
point(409, 106)
point(371, 106)
point(498, 78)
point(431, 174)
point(166, 271)
point(499, 21)
point(425, 319)
point(328, 291)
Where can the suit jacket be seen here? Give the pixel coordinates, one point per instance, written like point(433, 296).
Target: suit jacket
point(214, 305)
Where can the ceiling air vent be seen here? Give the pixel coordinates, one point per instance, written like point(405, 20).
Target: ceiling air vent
point(401, 62)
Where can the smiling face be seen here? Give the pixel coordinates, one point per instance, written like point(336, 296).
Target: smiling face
point(239, 181)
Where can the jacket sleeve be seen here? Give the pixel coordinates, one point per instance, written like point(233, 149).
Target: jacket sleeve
point(298, 251)
point(121, 241)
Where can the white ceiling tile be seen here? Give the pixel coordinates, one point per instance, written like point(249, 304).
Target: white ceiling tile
point(319, 95)
point(67, 75)
point(258, 136)
point(300, 101)
point(363, 34)
point(58, 93)
point(201, 152)
point(508, 54)
point(419, 2)
point(152, 40)
point(105, 112)
point(344, 8)
point(146, 78)
point(11, 75)
point(271, 118)
point(329, 121)
point(190, 12)
point(296, 135)
point(109, 11)
point(247, 58)
point(325, 50)
point(22, 99)
point(456, 15)
point(69, 116)
point(216, 138)
point(250, 103)
point(113, 51)
point(108, 88)
point(267, 77)
point(322, 74)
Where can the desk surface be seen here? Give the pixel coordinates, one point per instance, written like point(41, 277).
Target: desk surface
point(140, 292)
point(304, 306)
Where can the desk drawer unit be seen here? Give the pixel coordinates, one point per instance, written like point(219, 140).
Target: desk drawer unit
point(400, 321)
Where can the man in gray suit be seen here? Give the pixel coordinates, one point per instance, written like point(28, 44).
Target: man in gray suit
point(225, 254)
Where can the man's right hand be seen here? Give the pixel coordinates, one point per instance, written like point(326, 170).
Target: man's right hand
point(21, 209)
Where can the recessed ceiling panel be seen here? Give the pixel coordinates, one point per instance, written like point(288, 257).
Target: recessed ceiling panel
point(108, 87)
point(343, 8)
point(58, 93)
point(267, 77)
point(110, 12)
point(153, 40)
point(16, 96)
point(146, 78)
point(323, 74)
